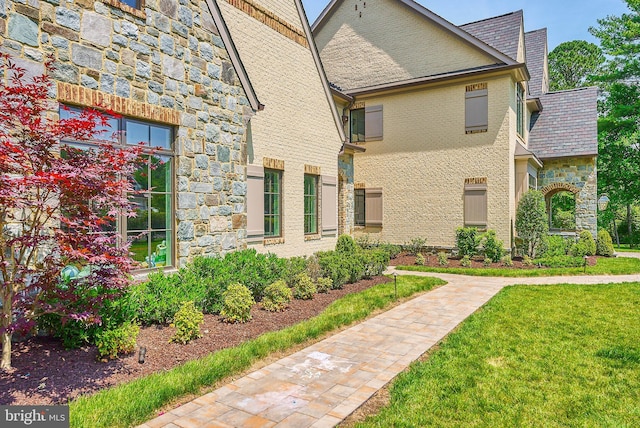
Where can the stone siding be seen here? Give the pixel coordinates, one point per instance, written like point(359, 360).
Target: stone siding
point(165, 63)
point(577, 174)
point(346, 202)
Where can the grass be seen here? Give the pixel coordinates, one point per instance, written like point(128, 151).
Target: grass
point(137, 401)
point(605, 266)
point(626, 248)
point(552, 356)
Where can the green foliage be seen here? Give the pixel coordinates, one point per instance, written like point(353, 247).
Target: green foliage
point(467, 241)
point(526, 260)
point(556, 245)
point(334, 266)
point(304, 287)
point(420, 259)
point(415, 246)
point(563, 211)
point(293, 267)
point(492, 246)
point(314, 270)
point(237, 303)
point(375, 262)
point(466, 261)
point(487, 262)
point(391, 249)
point(187, 322)
point(324, 285)
point(604, 244)
point(571, 64)
point(277, 296)
point(586, 245)
point(119, 340)
point(346, 245)
point(443, 260)
point(531, 221)
point(506, 261)
point(366, 243)
point(565, 261)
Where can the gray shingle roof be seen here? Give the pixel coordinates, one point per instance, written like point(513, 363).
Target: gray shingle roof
point(567, 125)
point(536, 46)
point(500, 32)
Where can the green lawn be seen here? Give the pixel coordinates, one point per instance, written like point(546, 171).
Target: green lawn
point(605, 266)
point(551, 356)
point(140, 400)
point(625, 248)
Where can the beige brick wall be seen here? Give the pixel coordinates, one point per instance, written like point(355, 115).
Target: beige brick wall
point(425, 157)
point(359, 51)
point(296, 125)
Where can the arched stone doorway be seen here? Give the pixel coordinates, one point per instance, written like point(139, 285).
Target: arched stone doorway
point(561, 200)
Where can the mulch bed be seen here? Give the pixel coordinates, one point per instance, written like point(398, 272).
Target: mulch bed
point(45, 373)
point(431, 260)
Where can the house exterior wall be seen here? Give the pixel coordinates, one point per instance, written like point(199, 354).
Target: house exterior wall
point(425, 157)
point(296, 127)
point(166, 64)
point(385, 41)
point(581, 174)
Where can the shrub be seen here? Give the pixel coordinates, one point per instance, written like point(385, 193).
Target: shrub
point(346, 245)
point(466, 261)
point(365, 242)
point(415, 246)
point(442, 259)
point(277, 296)
point(119, 340)
point(560, 261)
point(187, 322)
point(506, 261)
point(391, 249)
point(293, 267)
point(334, 266)
point(313, 267)
point(237, 303)
point(375, 262)
point(304, 288)
point(420, 259)
point(492, 246)
point(526, 260)
point(531, 221)
point(467, 241)
point(487, 262)
point(586, 245)
point(556, 246)
point(324, 285)
point(604, 244)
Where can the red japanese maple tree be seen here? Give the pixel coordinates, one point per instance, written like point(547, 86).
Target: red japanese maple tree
point(55, 200)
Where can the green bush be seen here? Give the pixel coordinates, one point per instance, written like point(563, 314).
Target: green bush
point(277, 296)
point(420, 261)
point(313, 267)
point(346, 245)
point(391, 249)
point(334, 266)
point(492, 246)
point(415, 246)
point(560, 261)
point(365, 242)
point(604, 244)
point(255, 271)
point(526, 260)
point(442, 259)
point(506, 261)
point(187, 322)
point(556, 245)
point(586, 245)
point(465, 261)
point(467, 241)
point(303, 287)
point(293, 267)
point(375, 262)
point(324, 285)
point(119, 340)
point(487, 262)
point(237, 303)
point(531, 222)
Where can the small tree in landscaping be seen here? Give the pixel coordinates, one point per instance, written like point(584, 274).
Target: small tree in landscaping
point(467, 241)
point(531, 221)
point(604, 244)
point(54, 202)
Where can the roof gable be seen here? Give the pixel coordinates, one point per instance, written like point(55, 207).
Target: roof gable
point(536, 44)
point(567, 126)
point(378, 42)
point(504, 33)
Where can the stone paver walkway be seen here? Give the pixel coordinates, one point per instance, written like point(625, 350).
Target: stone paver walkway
point(324, 383)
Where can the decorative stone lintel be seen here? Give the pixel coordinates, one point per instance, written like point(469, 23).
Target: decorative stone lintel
point(359, 185)
point(273, 163)
point(311, 169)
point(315, 237)
point(273, 241)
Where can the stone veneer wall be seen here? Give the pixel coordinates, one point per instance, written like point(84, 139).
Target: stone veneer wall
point(346, 202)
point(581, 173)
point(165, 63)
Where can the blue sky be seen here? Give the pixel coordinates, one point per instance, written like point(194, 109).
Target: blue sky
point(565, 20)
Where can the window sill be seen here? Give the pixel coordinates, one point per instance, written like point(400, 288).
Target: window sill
point(314, 237)
point(273, 241)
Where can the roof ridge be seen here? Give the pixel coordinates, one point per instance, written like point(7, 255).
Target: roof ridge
point(583, 88)
point(519, 11)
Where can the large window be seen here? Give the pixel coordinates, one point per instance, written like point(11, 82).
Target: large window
point(310, 204)
point(272, 203)
point(151, 230)
point(520, 109)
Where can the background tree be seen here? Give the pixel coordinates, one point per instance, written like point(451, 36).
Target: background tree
point(571, 64)
point(54, 201)
point(531, 221)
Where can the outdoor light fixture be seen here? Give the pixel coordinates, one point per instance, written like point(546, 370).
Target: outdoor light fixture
point(603, 202)
point(395, 284)
point(142, 354)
